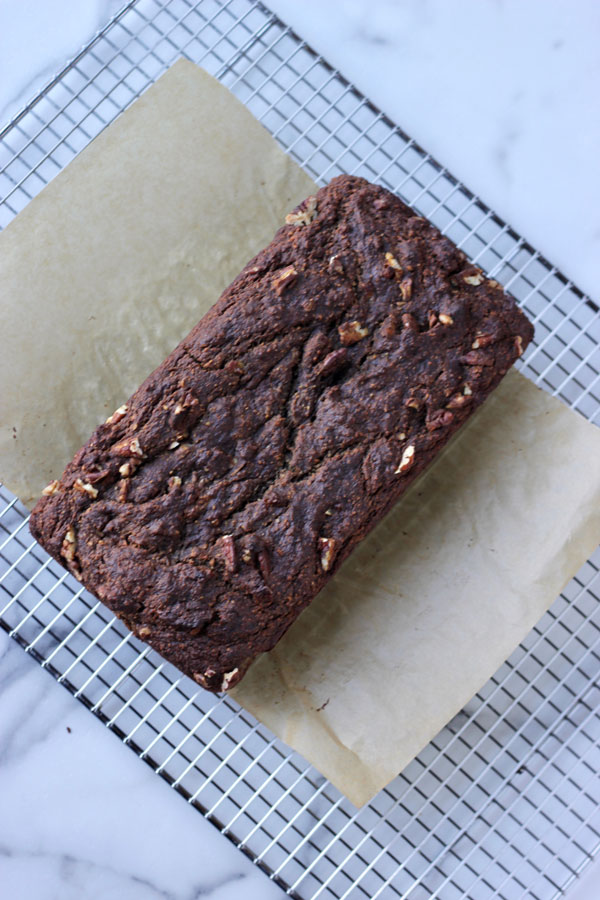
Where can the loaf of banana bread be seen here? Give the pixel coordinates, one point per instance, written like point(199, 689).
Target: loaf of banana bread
point(211, 507)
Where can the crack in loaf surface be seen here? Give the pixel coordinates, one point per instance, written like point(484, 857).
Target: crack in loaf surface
point(210, 509)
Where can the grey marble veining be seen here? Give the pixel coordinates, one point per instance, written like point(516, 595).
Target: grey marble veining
point(82, 817)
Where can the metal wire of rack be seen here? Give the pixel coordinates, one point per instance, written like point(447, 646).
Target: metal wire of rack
point(505, 801)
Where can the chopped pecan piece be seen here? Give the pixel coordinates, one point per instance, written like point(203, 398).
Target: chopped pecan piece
point(392, 262)
point(408, 457)
point(230, 679)
point(118, 414)
point(304, 213)
point(284, 279)
point(352, 332)
point(327, 552)
point(229, 552)
point(84, 487)
point(481, 341)
point(440, 418)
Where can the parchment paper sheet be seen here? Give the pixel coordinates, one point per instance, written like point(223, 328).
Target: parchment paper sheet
point(107, 269)
point(439, 595)
point(112, 264)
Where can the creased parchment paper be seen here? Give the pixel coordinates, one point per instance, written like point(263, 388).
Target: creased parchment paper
point(110, 266)
point(106, 270)
point(438, 596)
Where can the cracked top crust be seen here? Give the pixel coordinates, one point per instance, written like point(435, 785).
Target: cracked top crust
point(211, 508)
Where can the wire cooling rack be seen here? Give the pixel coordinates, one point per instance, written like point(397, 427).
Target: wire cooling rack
point(505, 802)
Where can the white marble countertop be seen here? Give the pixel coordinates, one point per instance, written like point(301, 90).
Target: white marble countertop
point(82, 817)
point(504, 95)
